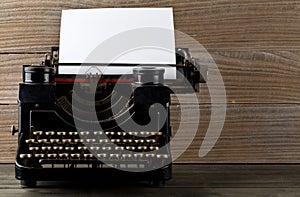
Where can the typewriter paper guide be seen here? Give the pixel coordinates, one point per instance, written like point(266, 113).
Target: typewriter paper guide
point(117, 36)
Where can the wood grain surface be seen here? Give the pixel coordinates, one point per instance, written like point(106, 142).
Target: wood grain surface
point(188, 180)
point(254, 43)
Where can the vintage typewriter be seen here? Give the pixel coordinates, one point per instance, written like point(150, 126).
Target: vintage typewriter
point(98, 124)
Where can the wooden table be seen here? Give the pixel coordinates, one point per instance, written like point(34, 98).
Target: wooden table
point(188, 180)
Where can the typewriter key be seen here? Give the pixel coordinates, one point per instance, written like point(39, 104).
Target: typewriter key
point(103, 141)
point(82, 148)
point(121, 133)
point(84, 133)
point(98, 132)
point(115, 140)
point(90, 140)
point(130, 147)
point(150, 155)
point(49, 133)
point(38, 133)
point(127, 155)
point(102, 155)
point(119, 148)
point(46, 148)
point(39, 155)
point(58, 147)
point(69, 148)
point(127, 140)
point(154, 148)
point(29, 141)
point(106, 148)
point(151, 140)
point(66, 141)
point(33, 148)
point(78, 140)
point(25, 156)
point(142, 147)
point(61, 133)
point(165, 156)
point(42, 141)
point(88, 156)
point(95, 148)
point(54, 141)
point(73, 133)
point(138, 155)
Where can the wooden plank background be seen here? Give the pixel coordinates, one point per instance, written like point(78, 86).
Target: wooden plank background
point(255, 44)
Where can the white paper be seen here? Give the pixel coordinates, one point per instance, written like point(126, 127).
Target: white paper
point(170, 71)
point(117, 35)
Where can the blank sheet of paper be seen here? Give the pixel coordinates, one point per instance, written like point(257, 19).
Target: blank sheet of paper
point(117, 35)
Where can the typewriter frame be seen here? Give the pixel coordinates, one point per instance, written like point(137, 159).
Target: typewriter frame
point(38, 98)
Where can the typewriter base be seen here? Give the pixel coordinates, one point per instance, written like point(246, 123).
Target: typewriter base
point(30, 176)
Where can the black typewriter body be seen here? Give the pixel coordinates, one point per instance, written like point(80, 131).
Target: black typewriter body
point(80, 127)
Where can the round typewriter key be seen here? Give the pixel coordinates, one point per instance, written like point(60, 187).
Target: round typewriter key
point(69, 148)
point(102, 155)
point(38, 133)
point(109, 133)
point(127, 155)
point(58, 147)
point(84, 133)
point(73, 133)
point(130, 147)
point(139, 141)
point(25, 156)
point(121, 133)
point(62, 133)
point(64, 155)
point(46, 148)
point(114, 155)
point(150, 155)
point(115, 140)
point(88, 156)
point(82, 148)
point(50, 133)
point(156, 133)
point(127, 140)
point(54, 140)
point(29, 141)
point(95, 148)
point(39, 155)
point(154, 148)
point(151, 140)
point(98, 132)
point(90, 140)
point(142, 147)
point(78, 140)
point(65, 141)
point(138, 155)
point(75, 155)
point(165, 156)
point(52, 155)
point(103, 141)
point(132, 133)
point(42, 141)
point(119, 148)
point(33, 148)
point(106, 148)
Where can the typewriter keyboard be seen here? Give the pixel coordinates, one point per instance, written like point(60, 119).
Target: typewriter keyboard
point(69, 149)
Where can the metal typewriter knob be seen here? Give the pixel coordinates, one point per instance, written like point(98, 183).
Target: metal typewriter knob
point(38, 74)
point(148, 75)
